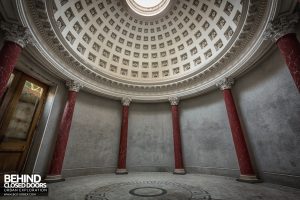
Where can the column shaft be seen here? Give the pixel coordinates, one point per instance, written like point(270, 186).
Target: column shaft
point(179, 168)
point(62, 138)
point(244, 161)
point(290, 49)
point(123, 141)
point(8, 58)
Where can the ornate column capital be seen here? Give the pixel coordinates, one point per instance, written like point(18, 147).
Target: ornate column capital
point(225, 83)
point(126, 101)
point(281, 26)
point(174, 101)
point(73, 85)
point(16, 33)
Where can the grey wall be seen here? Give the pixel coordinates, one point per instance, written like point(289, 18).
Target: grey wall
point(206, 137)
point(150, 140)
point(94, 136)
point(269, 104)
point(40, 154)
point(269, 107)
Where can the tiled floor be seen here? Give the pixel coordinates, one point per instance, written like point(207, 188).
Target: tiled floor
point(164, 186)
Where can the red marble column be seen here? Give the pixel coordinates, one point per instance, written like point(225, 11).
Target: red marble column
point(55, 169)
point(247, 173)
point(179, 168)
point(123, 138)
point(289, 47)
point(8, 58)
point(16, 37)
point(282, 30)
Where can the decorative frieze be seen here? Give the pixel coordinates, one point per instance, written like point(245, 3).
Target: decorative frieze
point(16, 33)
point(281, 26)
point(225, 83)
point(74, 85)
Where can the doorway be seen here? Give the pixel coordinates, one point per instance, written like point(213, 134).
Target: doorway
point(20, 110)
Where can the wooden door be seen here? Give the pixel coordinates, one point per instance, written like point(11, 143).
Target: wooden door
point(21, 109)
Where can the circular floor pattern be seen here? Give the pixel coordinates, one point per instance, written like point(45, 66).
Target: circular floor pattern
point(147, 192)
point(158, 190)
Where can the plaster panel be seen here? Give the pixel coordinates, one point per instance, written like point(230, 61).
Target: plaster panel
point(206, 137)
point(47, 145)
point(150, 138)
point(44, 138)
point(269, 104)
point(94, 136)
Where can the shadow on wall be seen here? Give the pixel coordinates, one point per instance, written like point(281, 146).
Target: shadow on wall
point(269, 106)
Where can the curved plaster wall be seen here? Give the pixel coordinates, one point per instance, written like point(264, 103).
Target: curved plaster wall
point(269, 107)
point(270, 110)
point(94, 136)
point(206, 136)
point(150, 141)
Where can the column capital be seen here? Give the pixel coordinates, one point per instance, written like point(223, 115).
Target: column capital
point(281, 26)
point(225, 83)
point(16, 33)
point(73, 85)
point(174, 101)
point(126, 101)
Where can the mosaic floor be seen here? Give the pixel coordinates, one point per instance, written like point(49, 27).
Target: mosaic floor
point(163, 186)
point(160, 190)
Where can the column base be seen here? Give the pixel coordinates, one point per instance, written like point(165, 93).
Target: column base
point(249, 179)
point(54, 178)
point(179, 171)
point(121, 171)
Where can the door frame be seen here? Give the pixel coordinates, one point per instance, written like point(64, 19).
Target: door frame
point(12, 97)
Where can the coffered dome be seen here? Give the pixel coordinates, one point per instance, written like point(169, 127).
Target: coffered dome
point(182, 48)
point(110, 40)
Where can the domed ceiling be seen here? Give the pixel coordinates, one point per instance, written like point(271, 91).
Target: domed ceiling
point(111, 41)
point(148, 51)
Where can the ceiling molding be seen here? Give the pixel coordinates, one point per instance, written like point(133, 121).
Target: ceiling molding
point(240, 54)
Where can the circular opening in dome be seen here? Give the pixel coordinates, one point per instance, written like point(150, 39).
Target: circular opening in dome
point(148, 8)
point(147, 4)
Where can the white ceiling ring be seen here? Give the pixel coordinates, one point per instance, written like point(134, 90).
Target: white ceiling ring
point(147, 3)
point(148, 8)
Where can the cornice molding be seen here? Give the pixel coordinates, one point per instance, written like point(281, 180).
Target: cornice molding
point(281, 26)
point(16, 33)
